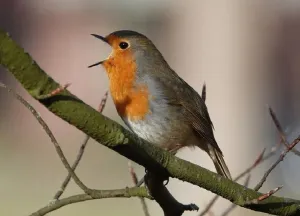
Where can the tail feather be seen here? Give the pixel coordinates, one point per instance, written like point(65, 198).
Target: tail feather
point(219, 162)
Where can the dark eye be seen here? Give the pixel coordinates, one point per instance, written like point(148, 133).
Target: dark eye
point(123, 45)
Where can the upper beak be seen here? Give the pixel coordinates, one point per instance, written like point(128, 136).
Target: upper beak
point(100, 37)
point(104, 40)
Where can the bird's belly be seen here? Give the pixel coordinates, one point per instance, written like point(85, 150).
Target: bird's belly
point(162, 126)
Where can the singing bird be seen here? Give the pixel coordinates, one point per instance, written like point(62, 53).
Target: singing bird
point(153, 101)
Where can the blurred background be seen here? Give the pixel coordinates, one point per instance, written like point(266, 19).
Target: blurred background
point(247, 52)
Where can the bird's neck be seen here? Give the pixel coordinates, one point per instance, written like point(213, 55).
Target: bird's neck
point(130, 98)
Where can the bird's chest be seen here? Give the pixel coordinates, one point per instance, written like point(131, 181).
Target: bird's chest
point(162, 125)
point(131, 98)
point(131, 103)
point(143, 106)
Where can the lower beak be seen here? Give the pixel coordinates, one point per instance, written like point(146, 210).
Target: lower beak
point(98, 63)
point(104, 40)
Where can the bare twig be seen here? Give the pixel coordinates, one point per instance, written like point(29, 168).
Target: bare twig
point(281, 157)
point(132, 174)
point(280, 131)
point(75, 164)
point(278, 126)
point(127, 192)
point(203, 95)
point(80, 153)
point(50, 134)
point(96, 194)
point(258, 160)
point(264, 196)
point(261, 158)
point(103, 102)
point(208, 207)
point(233, 206)
point(54, 92)
point(135, 181)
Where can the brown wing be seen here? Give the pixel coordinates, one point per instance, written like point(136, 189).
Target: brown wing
point(199, 118)
point(193, 105)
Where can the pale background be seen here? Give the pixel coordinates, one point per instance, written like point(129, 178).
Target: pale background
point(247, 52)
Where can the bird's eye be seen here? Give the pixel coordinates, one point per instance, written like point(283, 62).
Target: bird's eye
point(123, 45)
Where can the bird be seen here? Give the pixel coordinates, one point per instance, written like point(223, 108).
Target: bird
point(154, 101)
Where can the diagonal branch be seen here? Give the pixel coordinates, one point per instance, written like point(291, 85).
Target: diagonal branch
point(281, 157)
point(168, 203)
point(51, 136)
point(281, 132)
point(233, 206)
point(135, 181)
point(261, 158)
point(264, 196)
point(74, 166)
point(79, 155)
point(114, 136)
point(128, 192)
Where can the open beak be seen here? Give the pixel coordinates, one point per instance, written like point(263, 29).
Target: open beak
point(98, 63)
point(104, 40)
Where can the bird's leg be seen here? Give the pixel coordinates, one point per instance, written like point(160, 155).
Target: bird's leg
point(172, 149)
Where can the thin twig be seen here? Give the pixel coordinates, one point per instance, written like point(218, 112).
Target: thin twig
point(264, 196)
point(207, 208)
point(233, 206)
point(135, 181)
point(281, 157)
point(258, 160)
point(80, 153)
point(54, 92)
point(261, 158)
point(127, 192)
point(280, 131)
point(74, 166)
point(203, 95)
point(51, 136)
point(103, 102)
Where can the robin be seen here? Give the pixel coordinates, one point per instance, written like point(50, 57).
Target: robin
point(153, 101)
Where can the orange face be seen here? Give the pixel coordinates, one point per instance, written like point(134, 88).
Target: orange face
point(130, 97)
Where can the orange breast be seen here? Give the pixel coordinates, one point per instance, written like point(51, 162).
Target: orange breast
point(130, 98)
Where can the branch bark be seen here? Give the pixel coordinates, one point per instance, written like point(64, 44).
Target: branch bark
point(112, 135)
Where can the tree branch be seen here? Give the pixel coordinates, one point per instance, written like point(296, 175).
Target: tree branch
point(135, 182)
point(281, 157)
point(114, 136)
point(51, 136)
point(79, 155)
point(281, 132)
point(233, 206)
point(126, 193)
point(261, 158)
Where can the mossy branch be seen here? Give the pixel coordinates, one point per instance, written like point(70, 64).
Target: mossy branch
point(112, 135)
